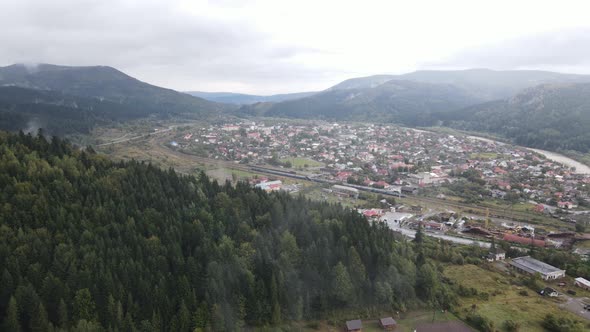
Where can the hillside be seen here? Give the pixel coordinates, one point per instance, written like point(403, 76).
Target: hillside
point(407, 102)
point(245, 99)
point(58, 113)
point(549, 116)
point(90, 244)
point(489, 84)
point(485, 84)
point(92, 86)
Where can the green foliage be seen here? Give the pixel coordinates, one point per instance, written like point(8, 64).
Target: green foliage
point(481, 323)
point(511, 326)
point(561, 324)
point(90, 244)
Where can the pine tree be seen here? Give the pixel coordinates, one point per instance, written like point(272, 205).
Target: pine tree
point(84, 307)
point(12, 323)
point(274, 302)
point(62, 314)
point(40, 322)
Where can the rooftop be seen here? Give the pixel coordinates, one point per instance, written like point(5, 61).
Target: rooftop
point(530, 264)
point(354, 324)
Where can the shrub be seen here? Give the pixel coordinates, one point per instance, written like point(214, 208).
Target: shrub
point(511, 326)
point(523, 293)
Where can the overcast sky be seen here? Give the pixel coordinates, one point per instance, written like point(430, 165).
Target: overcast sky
point(268, 47)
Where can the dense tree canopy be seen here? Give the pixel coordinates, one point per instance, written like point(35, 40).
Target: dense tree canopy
point(91, 244)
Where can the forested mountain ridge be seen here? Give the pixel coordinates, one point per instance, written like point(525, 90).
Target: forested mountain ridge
point(485, 84)
point(91, 244)
point(246, 99)
point(549, 116)
point(58, 113)
point(405, 102)
point(124, 97)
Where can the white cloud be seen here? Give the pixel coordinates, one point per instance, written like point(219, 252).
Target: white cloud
point(278, 46)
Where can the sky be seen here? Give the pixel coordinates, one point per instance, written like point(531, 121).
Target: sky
point(268, 47)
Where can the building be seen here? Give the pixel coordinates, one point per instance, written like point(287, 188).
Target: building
point(530, 265)
point(548, 291)
point(269, 185)
point(354, 325)
point(523, 240)
point(345, 191)
point(498, 255)
point(582, 283)
point(396, 217)
point(388, 323)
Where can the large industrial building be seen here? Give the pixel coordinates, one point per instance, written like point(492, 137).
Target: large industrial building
point(530, 265)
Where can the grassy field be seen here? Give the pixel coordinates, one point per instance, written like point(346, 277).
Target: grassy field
point(407, 322)
point(484, 155)
point(507, 303)
point(299, 162)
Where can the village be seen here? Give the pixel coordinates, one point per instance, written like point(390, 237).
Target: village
point(395, 159)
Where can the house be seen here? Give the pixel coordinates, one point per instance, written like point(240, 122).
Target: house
point(582, 283)
point(269, 185)
point(388, 323)
point(530, 265)
point(354, 325)
point(548, 291)
point(498, 255)
point(566, 205)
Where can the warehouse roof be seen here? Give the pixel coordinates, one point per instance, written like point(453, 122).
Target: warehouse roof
point(532, 265)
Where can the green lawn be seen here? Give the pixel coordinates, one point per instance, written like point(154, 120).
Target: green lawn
point(299, 162)
point(483, 155)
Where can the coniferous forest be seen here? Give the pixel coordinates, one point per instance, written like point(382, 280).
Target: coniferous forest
point(91, 244)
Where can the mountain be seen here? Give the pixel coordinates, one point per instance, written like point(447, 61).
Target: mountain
point(363, 82)
point(89, 244)
point(548, 116)
point(91, 86)
point(245, 99)
point(485, 84)
point(407, 102)
point(492, 84)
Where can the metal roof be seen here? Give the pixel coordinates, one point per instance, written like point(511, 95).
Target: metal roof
point(532, 265)
point(354, 324)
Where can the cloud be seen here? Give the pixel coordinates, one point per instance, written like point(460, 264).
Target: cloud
point(270, 46)
point(567, 50)
point(152, 40)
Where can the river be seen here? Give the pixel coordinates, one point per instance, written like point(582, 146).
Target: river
point(569, 162)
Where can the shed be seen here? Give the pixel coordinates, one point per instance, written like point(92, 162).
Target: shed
point(388, 323)
point(354, 325)
point(583, 283)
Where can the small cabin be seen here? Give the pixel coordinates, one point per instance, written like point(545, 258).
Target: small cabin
point(354, 325)
point(388, 323)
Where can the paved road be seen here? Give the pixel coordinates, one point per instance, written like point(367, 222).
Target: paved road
point(123, 138)
point(576, 305)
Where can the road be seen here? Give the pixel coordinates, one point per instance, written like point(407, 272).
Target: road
point(123, 139)
point(576, 305)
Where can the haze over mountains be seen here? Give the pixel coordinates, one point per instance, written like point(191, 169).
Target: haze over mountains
point(244, 99)
point(534, 108)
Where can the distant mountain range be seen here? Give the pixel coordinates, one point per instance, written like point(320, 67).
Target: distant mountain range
point(408, 102)
point(484, 84)
point(548, 116)
point(245, 99)
point(534, 108)
point(74, 99)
